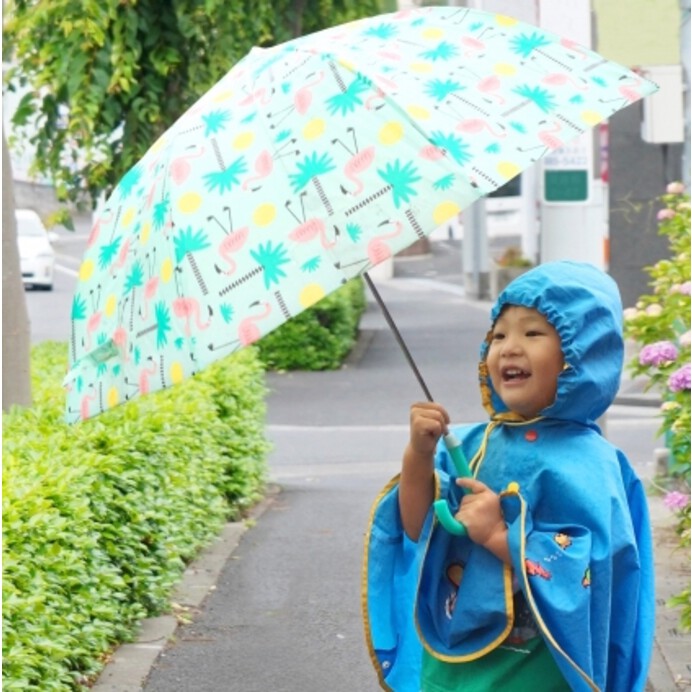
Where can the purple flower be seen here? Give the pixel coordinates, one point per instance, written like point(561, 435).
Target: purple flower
point(657, 354)
point(680, 379)
point(675, 500)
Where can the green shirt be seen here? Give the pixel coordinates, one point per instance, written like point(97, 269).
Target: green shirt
point(525, 668)
point(522, 663)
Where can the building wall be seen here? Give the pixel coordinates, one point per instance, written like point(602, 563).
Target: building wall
point(637, 33)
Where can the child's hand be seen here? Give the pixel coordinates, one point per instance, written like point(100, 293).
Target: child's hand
point(481, 514)
point(428, 422)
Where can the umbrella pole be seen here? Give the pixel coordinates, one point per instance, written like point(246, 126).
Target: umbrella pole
point(397, 336)
point(442, 510)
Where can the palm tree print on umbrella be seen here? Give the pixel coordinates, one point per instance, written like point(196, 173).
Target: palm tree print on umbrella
point(162, 324)
point(443, 51)
point(444, 144)
point(134, 280)
point(400, 181)
point(350, 97)
point(78, 313)
point(269, 262)
point(309, 171)
point(186, 245)
point(108, 252)
point(524, 45)
point(161, 210)
point(214, 121)
point(129, 181)
point(382, 31)
point(224, 179)
point(440, 90)
point(537, 95)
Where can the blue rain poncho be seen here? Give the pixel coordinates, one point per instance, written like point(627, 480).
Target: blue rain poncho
point(576, 513)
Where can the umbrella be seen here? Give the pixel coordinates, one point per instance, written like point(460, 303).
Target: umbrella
point(307, 164)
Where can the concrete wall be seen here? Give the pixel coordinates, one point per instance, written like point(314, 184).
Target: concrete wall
point(639, 173)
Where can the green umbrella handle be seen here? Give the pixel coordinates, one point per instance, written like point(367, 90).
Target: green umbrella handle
point(442, 511)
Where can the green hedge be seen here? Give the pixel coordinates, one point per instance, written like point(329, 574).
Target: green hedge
point(100, 518)
point(319, 338)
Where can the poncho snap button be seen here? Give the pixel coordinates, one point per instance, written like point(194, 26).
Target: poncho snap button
point(530, 435)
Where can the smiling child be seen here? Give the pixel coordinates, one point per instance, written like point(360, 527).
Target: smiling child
point(551, 586)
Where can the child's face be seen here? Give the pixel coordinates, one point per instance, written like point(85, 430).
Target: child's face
point(524, 360)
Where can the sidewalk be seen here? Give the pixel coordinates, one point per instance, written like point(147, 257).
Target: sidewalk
point(273, 604)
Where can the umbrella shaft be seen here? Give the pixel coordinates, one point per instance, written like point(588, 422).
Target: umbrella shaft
point(397, 335)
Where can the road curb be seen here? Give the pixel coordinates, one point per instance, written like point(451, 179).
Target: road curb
point(129, 665)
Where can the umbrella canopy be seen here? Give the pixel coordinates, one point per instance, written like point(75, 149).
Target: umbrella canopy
point(307, 164)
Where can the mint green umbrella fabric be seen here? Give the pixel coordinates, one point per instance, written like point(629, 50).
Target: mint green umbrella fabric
point(306, 165)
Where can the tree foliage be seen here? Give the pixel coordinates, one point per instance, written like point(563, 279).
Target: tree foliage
point(105, 78)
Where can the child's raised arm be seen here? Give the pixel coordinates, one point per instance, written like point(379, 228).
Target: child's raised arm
point(428, 422)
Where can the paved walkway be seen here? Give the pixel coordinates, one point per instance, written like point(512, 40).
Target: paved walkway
point(274, 604)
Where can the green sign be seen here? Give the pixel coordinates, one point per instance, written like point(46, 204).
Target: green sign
point(566, 185)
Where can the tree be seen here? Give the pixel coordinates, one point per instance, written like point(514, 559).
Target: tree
point(107, 77)
point(16, 382)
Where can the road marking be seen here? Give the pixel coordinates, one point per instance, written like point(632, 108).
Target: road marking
point(336, 428)
point(625, 415)
point(66, 270)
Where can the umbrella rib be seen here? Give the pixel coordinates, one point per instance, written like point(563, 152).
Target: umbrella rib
point(397, 335)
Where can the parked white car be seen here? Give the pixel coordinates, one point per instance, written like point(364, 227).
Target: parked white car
point(36, 254)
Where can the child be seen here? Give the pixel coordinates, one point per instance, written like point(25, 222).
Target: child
point(551, 587)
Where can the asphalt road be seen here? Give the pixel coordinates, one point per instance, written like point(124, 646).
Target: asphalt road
point(49, 311)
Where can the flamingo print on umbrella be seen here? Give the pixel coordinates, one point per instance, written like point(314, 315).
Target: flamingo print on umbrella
point(308, 229)
point(307, 164)
point(359, 162)
point(232, 242)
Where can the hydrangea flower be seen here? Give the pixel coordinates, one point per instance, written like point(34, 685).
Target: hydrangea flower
point(680, 379)
point(665, 214)
point(660, 353)
point(676, 188)
point(676, 500)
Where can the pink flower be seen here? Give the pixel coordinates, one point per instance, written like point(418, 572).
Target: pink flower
point(680, 379)
point(675, 500)
point(684, 288)
point(665, 214)
point(660, 353)
point(676, 188)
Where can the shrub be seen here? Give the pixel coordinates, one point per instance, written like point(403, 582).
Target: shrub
point(660, 324)
point(318, 338)
point(99, 518)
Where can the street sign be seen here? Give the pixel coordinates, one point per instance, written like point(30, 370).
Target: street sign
point(566, 185)
point(567, 172)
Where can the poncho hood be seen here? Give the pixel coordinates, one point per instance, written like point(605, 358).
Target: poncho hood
point(584, 306)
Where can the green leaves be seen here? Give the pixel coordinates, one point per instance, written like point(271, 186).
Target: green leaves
point(660, 323)
point(318, 338)
point(100, 518)
point(114, 76)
